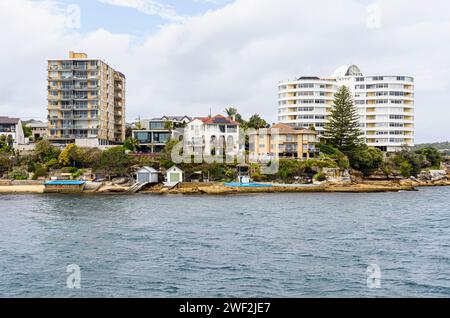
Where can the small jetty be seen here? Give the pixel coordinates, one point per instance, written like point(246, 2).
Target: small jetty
point(64, 186)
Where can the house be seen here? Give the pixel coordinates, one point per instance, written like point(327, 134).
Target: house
point(12, 127)
point(157, 131)
point(174, 175)
point(283, 141)
point(39, 130)
point(209, 135)
point(147, 175)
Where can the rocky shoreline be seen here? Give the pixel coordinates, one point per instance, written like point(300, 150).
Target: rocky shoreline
point(221, 189)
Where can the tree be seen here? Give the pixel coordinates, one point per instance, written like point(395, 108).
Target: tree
point(88, 157)
point(4, 144)
point(69, 156)
point(26, 130)
point(114, 161)
point(342, 129)
point(366, 159)
point(256, 122)
point(168, 124)
point(432, 155)
point(44, 151)
point(5, 163)
point(131, 144)
point(408, 163)
point(231, 112)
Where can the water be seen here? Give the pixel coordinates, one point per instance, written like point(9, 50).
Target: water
point(268, 245)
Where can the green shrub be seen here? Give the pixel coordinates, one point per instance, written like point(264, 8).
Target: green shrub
point(40, 172)
point(69, 170)
point(77, 174)
point(320, 177)
point(19, 174)
point(52, 163)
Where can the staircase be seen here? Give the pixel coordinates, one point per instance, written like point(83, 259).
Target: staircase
point(137, 187)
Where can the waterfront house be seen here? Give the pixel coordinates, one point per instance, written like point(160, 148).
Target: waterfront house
point(211, 135)
point(147, 175)
point(283, 141)
point(12, 127)
point(39, 129)
point(174, 175)
point(157, 131)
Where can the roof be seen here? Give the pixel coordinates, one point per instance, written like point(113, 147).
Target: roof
point(147, 169)
point(172, 118)
point(218, 119)
point(347, 70)
point(37, 124)
point(174, 168)
point(289, 129)
point(8, 120)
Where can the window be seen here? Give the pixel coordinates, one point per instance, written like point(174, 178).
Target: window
point(305, 109)
point(396, 117)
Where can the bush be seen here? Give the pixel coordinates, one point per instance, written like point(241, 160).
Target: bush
point(432, 155)
point(334, 153)
point(52, 163)
point(320, 177)
point(366, 159)
point(19, 174)
point(77, 174)
point(69, 170)
point(40, 172)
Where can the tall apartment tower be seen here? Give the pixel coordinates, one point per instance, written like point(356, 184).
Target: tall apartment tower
point(385, 105)
point(86, 102)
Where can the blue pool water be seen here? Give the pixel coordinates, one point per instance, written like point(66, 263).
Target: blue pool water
point(247, 185)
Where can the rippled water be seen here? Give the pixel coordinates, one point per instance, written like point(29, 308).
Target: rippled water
point(274, 245)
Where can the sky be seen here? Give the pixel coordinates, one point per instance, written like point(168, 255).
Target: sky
point(192, 56)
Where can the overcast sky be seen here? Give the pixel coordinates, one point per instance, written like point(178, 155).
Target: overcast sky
point(187, 56)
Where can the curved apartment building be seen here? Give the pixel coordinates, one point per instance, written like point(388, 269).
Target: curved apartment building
point(385, 105)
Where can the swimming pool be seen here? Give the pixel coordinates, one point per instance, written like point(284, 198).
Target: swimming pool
point(248, 185)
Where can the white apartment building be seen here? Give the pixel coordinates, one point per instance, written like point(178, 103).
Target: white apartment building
point(385, 104)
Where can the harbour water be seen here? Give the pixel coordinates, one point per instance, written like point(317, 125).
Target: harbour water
point(265, 245)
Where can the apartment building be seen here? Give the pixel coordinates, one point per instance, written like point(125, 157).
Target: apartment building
point(385, 105)
point(283, 141)
point(86, 101)
point(157, 131)
point(213, 135)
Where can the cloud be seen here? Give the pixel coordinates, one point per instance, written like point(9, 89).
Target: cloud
point(149, 7)
point(236, 55)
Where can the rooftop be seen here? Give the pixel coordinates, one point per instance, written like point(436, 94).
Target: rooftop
point(218, 119)
point(8, 120)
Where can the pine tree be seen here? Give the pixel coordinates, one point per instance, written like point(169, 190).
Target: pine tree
point(342, 130)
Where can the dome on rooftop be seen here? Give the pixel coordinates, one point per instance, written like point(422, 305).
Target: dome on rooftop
point(347, 70)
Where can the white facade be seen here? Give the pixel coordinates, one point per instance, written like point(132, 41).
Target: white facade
point(13, 127)
point(203, 135)
point(385, 105)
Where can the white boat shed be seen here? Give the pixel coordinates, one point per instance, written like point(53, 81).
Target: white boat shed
point(147, 175)
point(174, 175)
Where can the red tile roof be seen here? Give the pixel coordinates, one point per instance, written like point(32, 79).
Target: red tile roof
point(218, 119)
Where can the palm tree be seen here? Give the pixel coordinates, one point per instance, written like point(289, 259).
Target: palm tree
point(231, 112)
